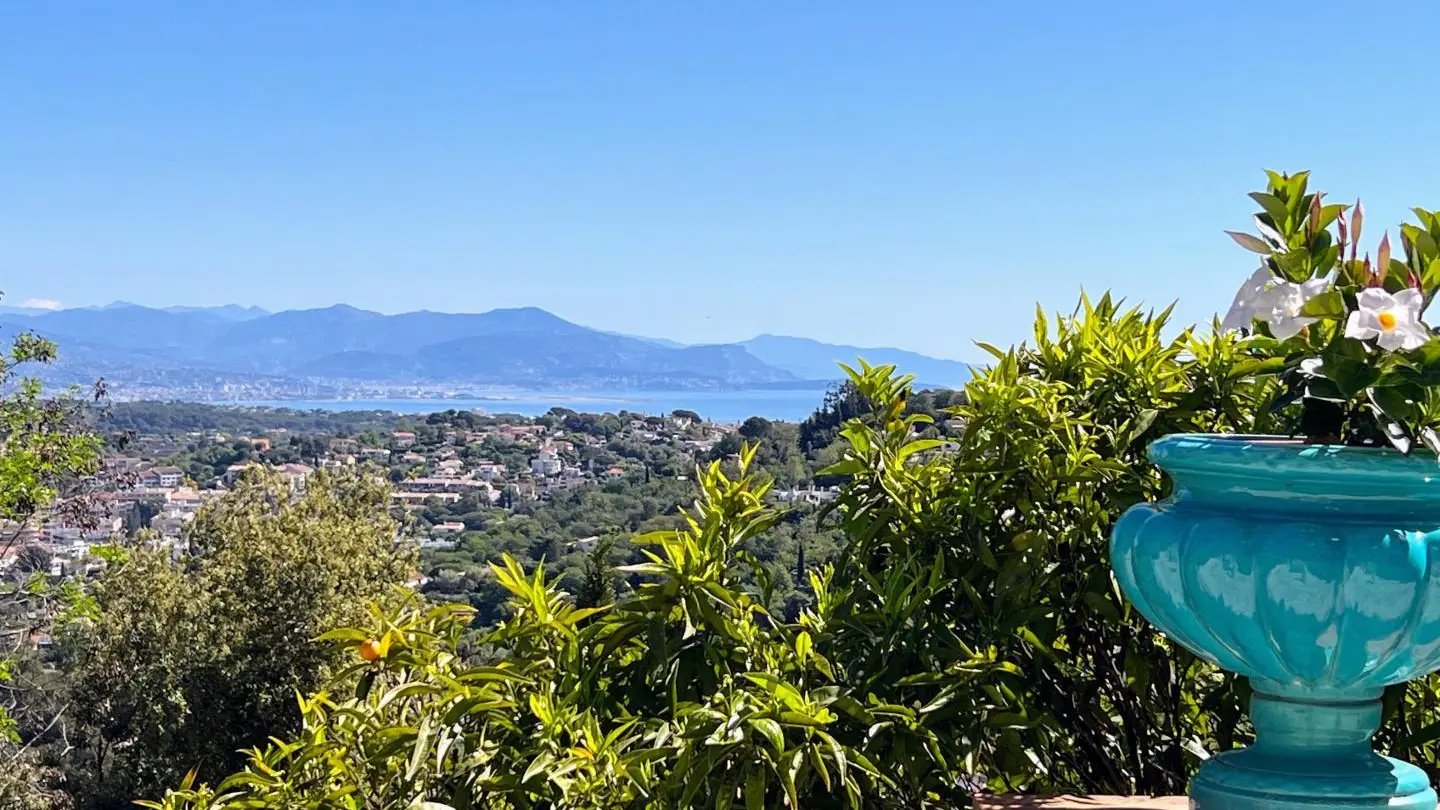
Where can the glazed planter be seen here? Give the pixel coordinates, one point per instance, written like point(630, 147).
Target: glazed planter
point(1314, 571)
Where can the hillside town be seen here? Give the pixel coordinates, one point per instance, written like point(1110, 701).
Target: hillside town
point(446, 469)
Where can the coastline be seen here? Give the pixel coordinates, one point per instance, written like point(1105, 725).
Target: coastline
point(719, 406)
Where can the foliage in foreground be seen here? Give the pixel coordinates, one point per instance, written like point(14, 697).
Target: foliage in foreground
point(177, 665)
point(970, 629)
point(46, 454)
point(687, 689)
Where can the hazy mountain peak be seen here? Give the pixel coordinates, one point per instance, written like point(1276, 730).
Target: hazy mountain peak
point(808, 358)
point(226, 312)
point(345, 309)
point(342, 346)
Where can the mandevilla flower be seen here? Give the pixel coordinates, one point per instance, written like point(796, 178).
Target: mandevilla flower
point(1392, 319)
point(1275, 301)
point(1288, 299)
point(1251, 298)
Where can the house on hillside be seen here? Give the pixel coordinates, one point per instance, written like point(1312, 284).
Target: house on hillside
point(296, 475)
point(584, 544)
point(164, 477)
point(171, 522)
point(812, 495)
point(546, 464)
point(412, 501)
point(61, 533)
point(184, 499)
point(120, 465)
point(234, 472)
point(440, 484)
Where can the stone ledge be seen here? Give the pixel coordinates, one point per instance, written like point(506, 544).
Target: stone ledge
point(1082, 803)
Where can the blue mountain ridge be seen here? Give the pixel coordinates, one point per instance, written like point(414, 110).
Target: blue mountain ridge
point(525, 347)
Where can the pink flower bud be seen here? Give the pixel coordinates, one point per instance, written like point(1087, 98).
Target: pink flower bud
point(1357, 221)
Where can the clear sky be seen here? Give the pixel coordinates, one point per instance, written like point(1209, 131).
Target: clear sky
point(915, 174)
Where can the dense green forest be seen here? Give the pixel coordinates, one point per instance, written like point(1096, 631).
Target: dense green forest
point(182, 417)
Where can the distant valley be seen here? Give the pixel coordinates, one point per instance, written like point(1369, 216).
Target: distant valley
point(235, 353)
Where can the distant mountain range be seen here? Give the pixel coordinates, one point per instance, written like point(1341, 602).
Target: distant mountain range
point(246, 352)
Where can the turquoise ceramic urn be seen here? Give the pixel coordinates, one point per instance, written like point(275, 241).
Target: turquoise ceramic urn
point(1312, 570)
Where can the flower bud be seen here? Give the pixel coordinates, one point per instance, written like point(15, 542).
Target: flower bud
point(1357, 220)
point(1383, 257)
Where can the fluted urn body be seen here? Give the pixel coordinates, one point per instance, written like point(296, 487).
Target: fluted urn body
point(1311, 570)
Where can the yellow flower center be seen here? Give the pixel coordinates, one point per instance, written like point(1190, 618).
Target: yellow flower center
point(1387, 320)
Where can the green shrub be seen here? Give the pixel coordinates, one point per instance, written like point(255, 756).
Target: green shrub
point(182, 664)
point(686, 691)
point(1013, 526)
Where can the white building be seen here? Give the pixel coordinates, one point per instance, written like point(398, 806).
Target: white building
point(812, 495)
point(547, 463)
point(167, 476)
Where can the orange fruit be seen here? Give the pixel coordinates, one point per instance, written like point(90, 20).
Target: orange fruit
point(370, 650)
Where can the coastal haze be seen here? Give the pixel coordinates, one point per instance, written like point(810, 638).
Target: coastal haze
point(520, 360)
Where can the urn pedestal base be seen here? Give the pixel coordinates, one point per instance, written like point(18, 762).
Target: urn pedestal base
point(1313, 571)
point(1248, 780)
point(1311, 755)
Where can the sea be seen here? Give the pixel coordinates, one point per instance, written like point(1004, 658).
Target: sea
point(726, 406)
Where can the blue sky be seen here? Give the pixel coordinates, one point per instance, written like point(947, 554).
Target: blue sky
point(913, 174)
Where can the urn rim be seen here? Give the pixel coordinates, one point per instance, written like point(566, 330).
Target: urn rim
point(1291, 468)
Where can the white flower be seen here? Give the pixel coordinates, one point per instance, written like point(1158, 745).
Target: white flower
point(1252, 298)
point(1274, 301)
point(1393, 319)
point(1286, 301)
